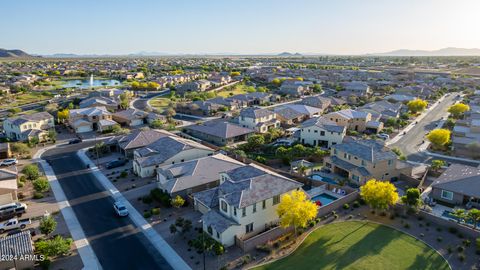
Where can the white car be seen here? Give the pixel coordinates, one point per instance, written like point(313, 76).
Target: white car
point(383, 136)
point(120, 209)
point(9, 162)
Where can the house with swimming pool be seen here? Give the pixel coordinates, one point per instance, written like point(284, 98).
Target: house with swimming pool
point(362, 160)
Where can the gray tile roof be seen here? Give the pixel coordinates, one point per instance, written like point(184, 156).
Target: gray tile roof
point(131, 114)
point(8, 173)
point(255, 112)
point(221, 129)
point(34, 117)
point(460, 179)
point(20, 242)
point(141, 138)
point(370, 150)
point(324, 124)
point(217, 221)
point(288, 113)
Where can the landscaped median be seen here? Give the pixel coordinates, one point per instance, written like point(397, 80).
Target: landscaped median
point(360, 245)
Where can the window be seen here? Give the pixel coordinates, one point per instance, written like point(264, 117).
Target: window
point(249, 228)
point(264, 204)
point(224, 206)
point(254, 207)
point(315, 131)
point(244, 212)
point(390, 162)
point(344, 155)
point(356, 178)
point(276, 199)
point(334, 151)
point(448, 195)
point(234, 211)
point(322, 133)
point(364, 163)
point(218, 235)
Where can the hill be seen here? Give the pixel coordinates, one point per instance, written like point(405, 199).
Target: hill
point(13, 53)
point(451, 51)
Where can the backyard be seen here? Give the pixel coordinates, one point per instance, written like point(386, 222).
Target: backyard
point(360, 245)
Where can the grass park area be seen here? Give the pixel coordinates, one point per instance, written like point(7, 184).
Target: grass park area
point(160, 103)
point(360, 245)
point(25, 98)
point(237, 89)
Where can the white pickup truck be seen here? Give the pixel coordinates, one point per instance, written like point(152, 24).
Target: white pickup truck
point(13, 224)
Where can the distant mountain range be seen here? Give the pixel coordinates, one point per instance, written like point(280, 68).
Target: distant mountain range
point(13, 53)
point(450, 51)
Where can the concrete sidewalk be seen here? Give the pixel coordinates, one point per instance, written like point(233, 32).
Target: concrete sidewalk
point(89, 259)
point(151, 234)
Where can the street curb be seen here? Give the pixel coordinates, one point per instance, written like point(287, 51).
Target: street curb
point(87, 255)
point(170, 255)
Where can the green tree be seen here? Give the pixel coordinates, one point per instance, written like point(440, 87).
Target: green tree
point(41, 185)
point(52, 135)
point(54, 247)
point(412, 198)
point(437, 164)
point(47, 225)
point(31, 171)
point(157, 124)
point(459, 214)
point(474, 216)
point(255, 141)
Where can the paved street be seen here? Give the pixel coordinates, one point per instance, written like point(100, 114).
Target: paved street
point(409, 143)
point(115, 241)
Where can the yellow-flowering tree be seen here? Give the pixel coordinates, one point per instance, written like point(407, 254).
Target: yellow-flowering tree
point(457, 110)
point(417, 105)
point(63, 115)
point(296, 210)
point(439, 137)
point(378, 194)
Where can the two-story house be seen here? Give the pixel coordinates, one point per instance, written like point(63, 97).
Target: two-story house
point(167, 150)
point(90, 119)
point(260, 120)
point(363, 160)
point(26, 127)
point(195, 175)
point(244, 204)
point(355, 120)
point(322, 132)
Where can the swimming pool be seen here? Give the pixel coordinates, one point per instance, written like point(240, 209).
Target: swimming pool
point(323, 179)
point(324, 199)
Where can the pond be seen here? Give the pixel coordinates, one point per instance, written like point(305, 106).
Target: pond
point(86, 83)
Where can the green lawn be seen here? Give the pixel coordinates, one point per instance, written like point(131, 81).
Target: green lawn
point(237, 90)
point(360, 245)
point(160, 103)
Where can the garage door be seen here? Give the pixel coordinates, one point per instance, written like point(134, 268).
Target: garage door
point(84, 129)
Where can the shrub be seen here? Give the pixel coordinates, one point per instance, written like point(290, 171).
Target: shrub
point(147, 214)
point(460, 235)
point(407, 226)
point(346, 206)
point(461, 257)
point(156, 211)
point(47, 225)
point(20, 184)
point(460, 249)
point(160, 196)
point(477, 243)
point(439, 229)
point(335, 216)
point(449, 249)
point(123, 174)
point(147, 199)
point(31, 171)
point(38, 195)
point(41, 185)
point(439, 239)
point(452, 230)
point(23, 178)
point(356, 204)
point(466, 242)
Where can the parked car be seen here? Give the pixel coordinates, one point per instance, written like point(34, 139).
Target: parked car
point(11, 210)
point(9, 162)
point(120, 209)
point(75, 141)
point(13, 224)
point(383, 136)
point(116, 163)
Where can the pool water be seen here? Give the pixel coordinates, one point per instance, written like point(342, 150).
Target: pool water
point(324, 198)
point(323, 179)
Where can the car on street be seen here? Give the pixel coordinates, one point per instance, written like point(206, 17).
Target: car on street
point(116, 163)
point(8, 162)
point(75, 141)
point(120, 209)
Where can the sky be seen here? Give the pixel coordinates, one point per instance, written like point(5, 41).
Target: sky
point(244, 26)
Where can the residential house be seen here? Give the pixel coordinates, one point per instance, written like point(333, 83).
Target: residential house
point(355, 120)
point(244, 204)
point(195, 175)
point(362, 160)
point(261, 120)
point(383, 109)
point(322, 132)
point(219, 132)
point(166, 150)
point(252, 99)
point(109, 103)
point(91, 119)
point(318, 102)
point(293, 114)
point(293, 90)
point(359, 89)
point(466, 137)
point(127, 144)
point(8, 183)
point(19, 246)
point(130, 117)
point(26, 127)
point(458, 185)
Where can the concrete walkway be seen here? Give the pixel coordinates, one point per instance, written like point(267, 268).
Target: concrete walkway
point(175, 261)
point(89, 259)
